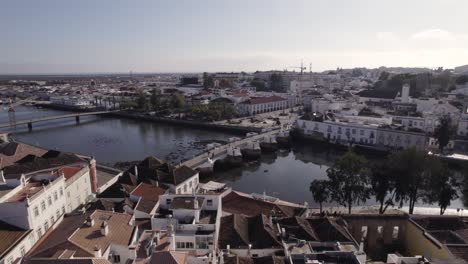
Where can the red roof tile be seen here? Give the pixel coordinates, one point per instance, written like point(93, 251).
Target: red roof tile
point(148, 191)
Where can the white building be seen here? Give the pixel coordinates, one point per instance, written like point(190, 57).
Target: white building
point(74, 101)
point(33, 203)
point(370, 134)
point(192, 221)
point(257, 105)
point(462, 129)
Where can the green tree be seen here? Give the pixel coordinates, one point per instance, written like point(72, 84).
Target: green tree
point(320, 192)
point(207, 81)
point(154, 99)
point(443, 132)
point(141, 102)
point(177, 101)
point(348, 178)
point(258, 84)
point(276, 82)
point(441, 186)
point(383, 185)
point(410, 169)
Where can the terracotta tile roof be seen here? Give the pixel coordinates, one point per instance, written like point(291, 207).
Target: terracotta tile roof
point(299, 228)
point(264, 100)
point(9, 237)
point(257, 260)
point(41, 163)
point(70, 171)
point(330, 229)
point(239, 231)
point(238, 203)
point(182, 174)
point(67, 261)
point(146, 206)
point(168, 257)
point(74, 234)
point(58, 238)
point(460, 252)
point(120, 231)
point(30, 189)
point(11, 152)
point(148, 191)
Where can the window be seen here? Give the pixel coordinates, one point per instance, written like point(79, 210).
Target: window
point(185, 188)
point(395, 232)
point(190, 184)
point(52, 220)
point(178, 191)
point(43, 206)
point(46, 226)
point(363, 232)
point(116, 258)
point(209, 202)
point(22, 251)
point(380, 232)
point(49, 200)
point(168, 201)
point(353, 131)
point(36, 211)
point(63, 209)
point(61, 191)
point(39, 232)
point(55, 196)
point(10, 260)
point(361, 132)
point(57, 213)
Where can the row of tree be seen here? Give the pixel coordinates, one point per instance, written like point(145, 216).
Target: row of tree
point(405, 177)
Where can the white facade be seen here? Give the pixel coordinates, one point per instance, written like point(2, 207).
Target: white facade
point(71, 101)
point(462, 129)
point(248, 108)
point(188, 186)
point(78, 189)
point(38, 211)
point(190, 229)
point(355, 133)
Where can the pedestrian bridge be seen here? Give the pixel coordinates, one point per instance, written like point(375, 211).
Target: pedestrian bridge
point(49, 118)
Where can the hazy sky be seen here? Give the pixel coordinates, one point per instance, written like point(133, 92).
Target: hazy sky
point(76, 36)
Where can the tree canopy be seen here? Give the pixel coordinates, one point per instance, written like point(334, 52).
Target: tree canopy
point(348, 180)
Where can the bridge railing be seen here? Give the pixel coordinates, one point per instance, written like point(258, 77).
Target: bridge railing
point(202, 158)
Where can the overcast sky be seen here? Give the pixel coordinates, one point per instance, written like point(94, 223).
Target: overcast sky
point(82, 36)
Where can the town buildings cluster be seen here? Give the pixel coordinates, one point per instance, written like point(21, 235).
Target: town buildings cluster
point(58, 207)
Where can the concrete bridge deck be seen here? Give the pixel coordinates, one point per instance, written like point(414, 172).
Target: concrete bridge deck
point(219, 152)
point(48, 118)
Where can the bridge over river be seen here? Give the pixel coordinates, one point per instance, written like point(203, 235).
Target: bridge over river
point(48, 118)
point(205, 159)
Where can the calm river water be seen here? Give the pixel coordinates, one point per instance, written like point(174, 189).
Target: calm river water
point(286, 174)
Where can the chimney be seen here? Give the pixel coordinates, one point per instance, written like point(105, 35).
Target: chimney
point(2, 177)
point(93, 174)
point(97, 251)
point(89, 221)
point(172, 237)
point(221, 258)
point(104, 228)
point(136, 171)
point(158, 238)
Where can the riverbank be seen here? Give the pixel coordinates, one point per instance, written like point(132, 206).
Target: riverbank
point(231, 128)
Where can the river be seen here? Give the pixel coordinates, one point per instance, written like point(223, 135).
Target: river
point(286, 174)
